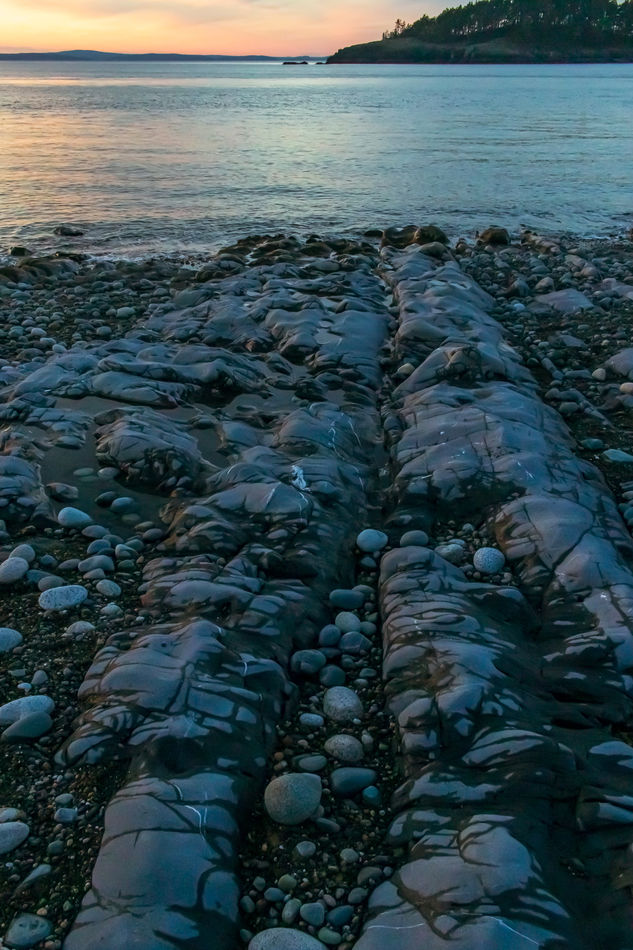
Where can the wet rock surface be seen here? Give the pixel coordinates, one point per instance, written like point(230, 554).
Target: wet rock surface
point(222, 490)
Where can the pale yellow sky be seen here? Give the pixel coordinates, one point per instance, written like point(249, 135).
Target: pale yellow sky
point(271, 27)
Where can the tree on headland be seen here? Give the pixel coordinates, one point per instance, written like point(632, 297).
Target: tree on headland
point(587, 22)
point(399, 28)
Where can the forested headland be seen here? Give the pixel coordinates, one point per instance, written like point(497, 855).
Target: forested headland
point(508, 31)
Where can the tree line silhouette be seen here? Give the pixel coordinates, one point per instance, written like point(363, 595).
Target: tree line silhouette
point(589, 22)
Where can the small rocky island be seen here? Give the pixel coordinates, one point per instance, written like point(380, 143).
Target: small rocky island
point(507, 31)
point(316, 580)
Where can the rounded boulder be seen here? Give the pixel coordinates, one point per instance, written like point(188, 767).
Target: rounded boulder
point(283, 938)
point(293, 798)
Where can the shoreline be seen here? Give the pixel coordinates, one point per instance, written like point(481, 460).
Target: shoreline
point(46, 245)
point(222, 434)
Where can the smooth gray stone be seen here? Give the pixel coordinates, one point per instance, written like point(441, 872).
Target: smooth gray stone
point(62, 598)
point(416, 538)
point(347, 622)
point(28, 727)
point(27, 930)
point(287, 882)
point(73, 518)
point(305, 850)
point(96, 561)
point(621, 363)
point(348, 780)
point(108, 588)
point(79, 628)
point(341, 704)
point(310, 763)
point(451, 552)
point(12, 834)
point(94, 531)
point(617, 455)
point(339, 916)
point(371, 540)
point(291, 910)
point(293, 798)
point(329, 635)
point(347, 599)
point(566, 301)
point(41, 871)
point(307, 662)
point(371, 796)
point(332, 675)
point(357, 895)
point(311, 720)
point(313, 913)
point(25, 551)
point(354, 643)
point(50, 581)
point(9, 638)
point(99, 546)
point(329, 937)
point(282, 938)
point(25, 706)
point(344, 748)
point(274, 895)
point(489, 560)
point(13, 569)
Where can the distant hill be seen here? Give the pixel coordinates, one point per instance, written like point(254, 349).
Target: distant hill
point(507, 31)
point(91, 55)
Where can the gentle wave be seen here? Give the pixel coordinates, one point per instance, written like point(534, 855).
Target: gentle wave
point(184, 158)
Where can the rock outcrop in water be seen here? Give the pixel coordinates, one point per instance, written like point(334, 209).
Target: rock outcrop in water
point(211, 480)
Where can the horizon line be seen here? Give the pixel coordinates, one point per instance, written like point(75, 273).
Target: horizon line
point(77, 53)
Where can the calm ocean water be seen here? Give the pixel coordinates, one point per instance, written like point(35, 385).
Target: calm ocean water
point(170, 158)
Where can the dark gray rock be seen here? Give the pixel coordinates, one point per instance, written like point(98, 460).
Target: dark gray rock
point(307, 662)
point(293, 798)
point(28, 728)
point(13, 569)
point(280, 938)
point(348, 780)
point(25, 706)
point(12, 834)
point(26, 930)
point(9, 638)
point(347, 599)
point(341, 704)
point(62, 598)
point(371, 540)
point(489, 560)
point(73, 518)
point(345, 748)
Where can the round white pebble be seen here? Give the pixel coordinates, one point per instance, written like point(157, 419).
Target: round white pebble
point(342, 704)
point(9, 638)
point(371, 540)
point(62, 598)
point(73, 518)
point(488, 560)
point(13, 569)
point(282, 938)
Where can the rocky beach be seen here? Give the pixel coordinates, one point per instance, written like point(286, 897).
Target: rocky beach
point(316, 593)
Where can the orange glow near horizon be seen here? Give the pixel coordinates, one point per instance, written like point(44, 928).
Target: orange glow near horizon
point(234, 27)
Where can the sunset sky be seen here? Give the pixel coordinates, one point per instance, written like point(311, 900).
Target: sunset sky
point(272, 27)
